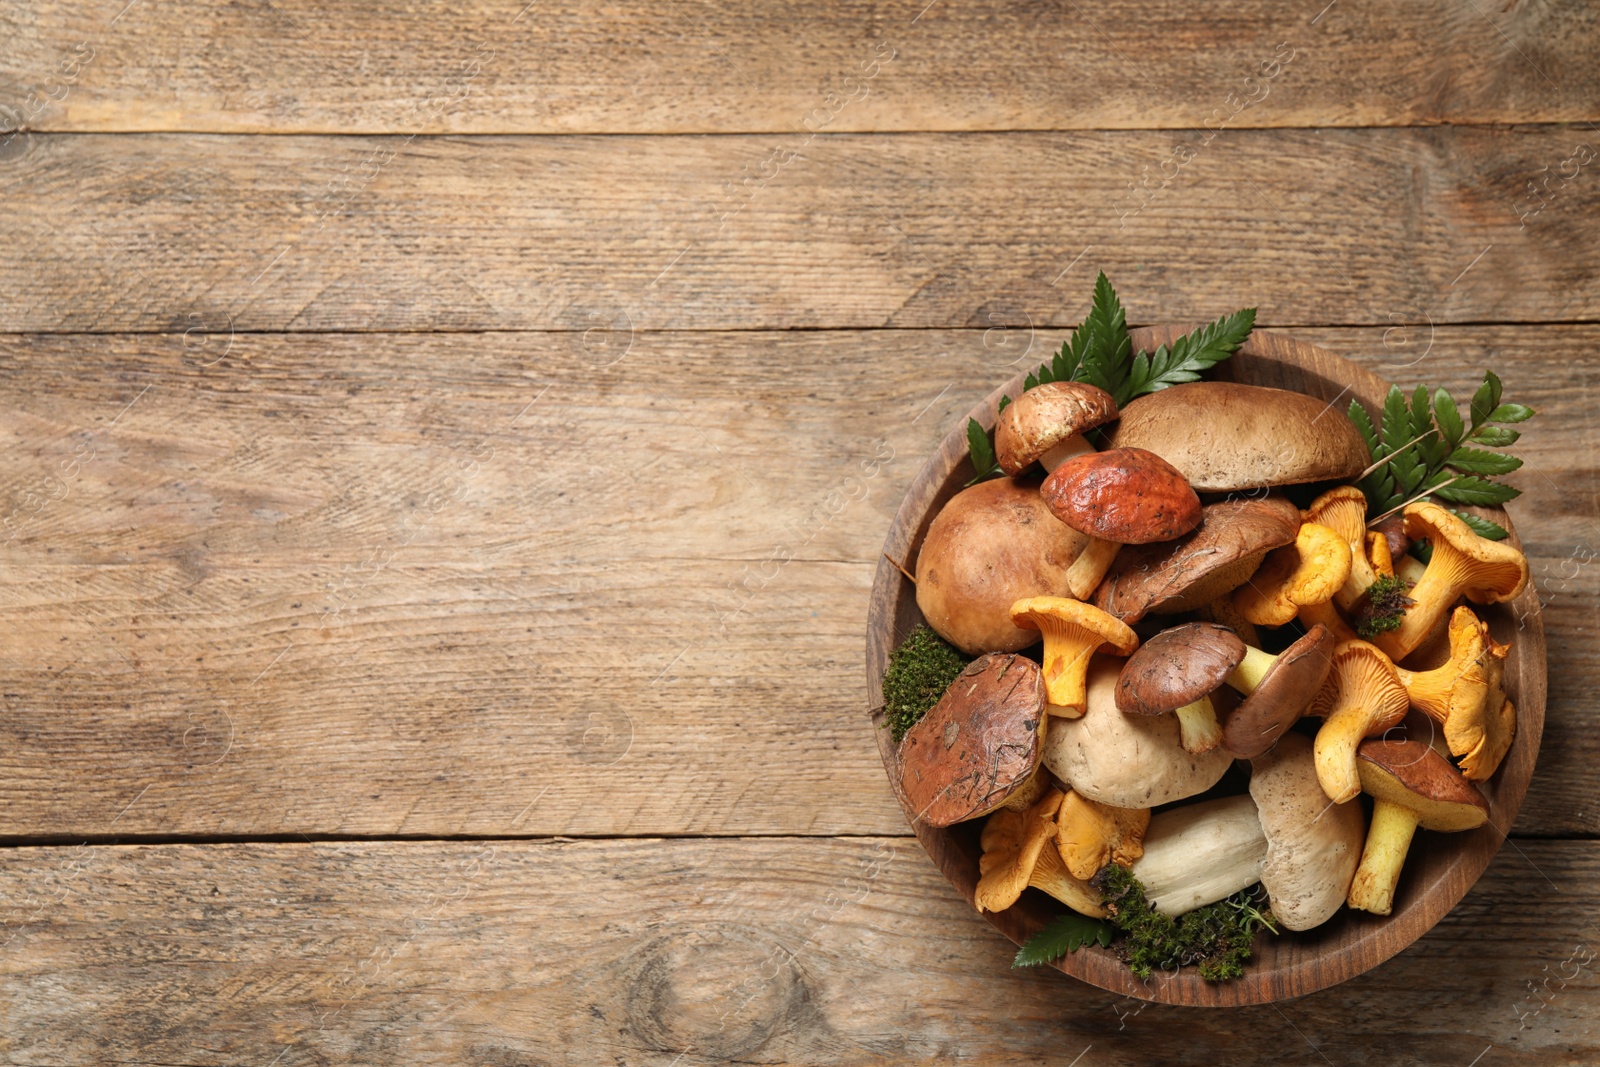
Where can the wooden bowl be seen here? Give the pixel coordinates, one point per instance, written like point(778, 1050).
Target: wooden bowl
point(1440, 867)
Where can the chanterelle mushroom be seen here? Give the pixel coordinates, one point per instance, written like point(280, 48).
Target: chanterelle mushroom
point(1019, 851)
point(1310, 571)
point(1411, 786)
point(1091, 834)
point(1463, 564)
point(979, 745)
point(1176, 671)
point(1073, 631)
point(1200, 853)
point(1464, 696)
point(1216, 557)
point(1363, 698)
point(1313, 844)
point(1344, 511)
point(1126, 761)
point(1047, 424)
point(1225, 436)
point(991, 544)
point(1124, 496)
point(1277, 689)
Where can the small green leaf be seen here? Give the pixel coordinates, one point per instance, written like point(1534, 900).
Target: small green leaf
point(1031, 381)
point(1005, 402)
point(1511, 413)
point(1421, 412)
point(1474, 490)
point(1187, 356)
point(1067, 934)
point(1484, 400)
point(1494, 388)
point(1482, 527)
point(1396, 421)
point(1448, 417)
point(1479, 461)
point(982, 453)
point(1495, 436)
point(1363, 421)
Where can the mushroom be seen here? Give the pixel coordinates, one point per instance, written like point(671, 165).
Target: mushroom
point(1363, 698)
point(980, 745)
point(1197, 568)
point(1328, 617)
point(1090, 834)
point(1047, 424)
point(991, 544)
point(1463, 564)
point(1221, 610)
point(1277, 689)
point(1018, 851)
point(1313, 845)
point(1225, 436)
point(1200, 853)
point(1465, 696)
point(1126, 761)
point(1176, 671)
point(1310, 571)
point(1344, 511)
point(1480, 757)
point(1125, 496)
point(1411, 786)
point(1073, 631)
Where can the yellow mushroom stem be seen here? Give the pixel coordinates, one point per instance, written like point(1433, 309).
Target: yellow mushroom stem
point(1388, 841)
point(1254, 667)
point(1198, 728)
point(1067, 648)
point(1051, 875)
point(1090, 567)
point(1367, 699)
point(1076, 445)
point(1327, 615)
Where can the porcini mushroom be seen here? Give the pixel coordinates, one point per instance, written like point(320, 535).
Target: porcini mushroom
point(1463, 564)
point(1411, 786)
point(1313, 844)
point(1215, 558)
point(1073, 631)
point(1090, 834)
point(1363, 698)
point(980, 745)
point(1277, 689)
point(989, 545)
point(1124, 496)
point(1200, 853)
point(1047, 423)
point(1019, 851)
point(1126, 761)
point(1310, 571)
point(1176, 671)
point(1225, 436)
point(1344, 511)
point(1222, 611)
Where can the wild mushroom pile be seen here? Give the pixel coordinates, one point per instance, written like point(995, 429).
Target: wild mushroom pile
point(1174, 643)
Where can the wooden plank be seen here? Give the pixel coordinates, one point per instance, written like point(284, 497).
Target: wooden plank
point(441, 584)
point(566, 66)
point(649, 952)
point(167, 232)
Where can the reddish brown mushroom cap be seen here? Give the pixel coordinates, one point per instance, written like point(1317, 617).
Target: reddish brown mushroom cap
point(1046, 415)
point(980, 744)
point(1126, 495)
point(1282, 695)
point(1415, 776)
point(1177, 667)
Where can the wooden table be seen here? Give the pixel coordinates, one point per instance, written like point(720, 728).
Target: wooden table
point(446, 453)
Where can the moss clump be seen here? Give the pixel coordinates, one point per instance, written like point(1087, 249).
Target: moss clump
point(1216, 937)
point(1383, 607)
point(920, 670)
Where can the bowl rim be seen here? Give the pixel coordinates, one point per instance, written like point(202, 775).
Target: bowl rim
point(1440, 869)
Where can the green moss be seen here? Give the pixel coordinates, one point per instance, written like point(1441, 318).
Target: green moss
point(1383, 607)
point(920, 670)
point(1216, 938)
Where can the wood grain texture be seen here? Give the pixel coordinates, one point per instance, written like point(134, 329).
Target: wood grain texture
point(165, 232)
point(650, 600)
point(783, 951)
point(1441, 869)
point(481, 67)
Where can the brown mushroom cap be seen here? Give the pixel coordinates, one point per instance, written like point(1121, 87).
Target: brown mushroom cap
point(1046, 415)
point(1313, 846)
point(1217, 557)
point(1282, 695)
point(980, 744)
point(989, 546)
point(1177, 667)
point(1124, 495)
point(1414, 776)
point(1225, 436)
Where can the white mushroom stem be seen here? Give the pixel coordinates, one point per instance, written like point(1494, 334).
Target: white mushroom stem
point(1076, 445)
point(1090, 567)
point(1198, 726)
point(1254, 667)
point(1200, 854)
